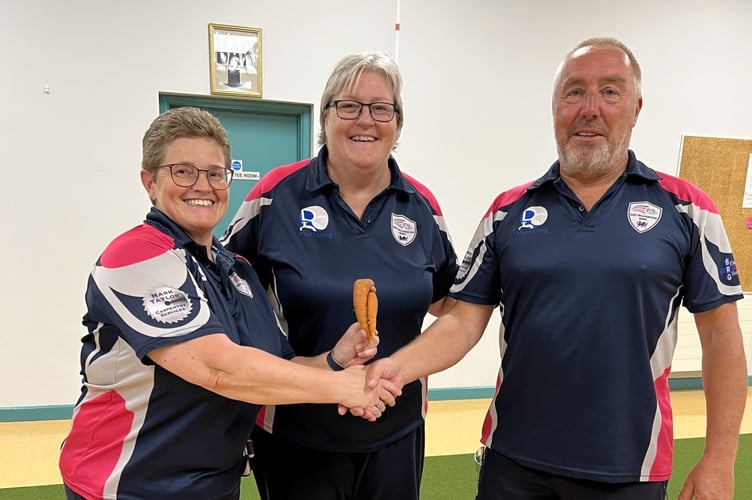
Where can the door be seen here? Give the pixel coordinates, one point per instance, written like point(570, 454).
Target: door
point(263, 135)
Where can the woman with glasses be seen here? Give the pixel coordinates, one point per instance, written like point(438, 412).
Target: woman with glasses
point(182, 344)
point(311, 229)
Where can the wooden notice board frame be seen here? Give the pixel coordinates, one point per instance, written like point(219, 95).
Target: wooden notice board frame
point(718, 166)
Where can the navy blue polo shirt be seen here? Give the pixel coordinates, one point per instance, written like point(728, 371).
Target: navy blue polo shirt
point(588, 303)
point(308, 247)
point(138, 430)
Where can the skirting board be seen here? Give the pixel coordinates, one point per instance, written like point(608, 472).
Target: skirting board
point(63, 412)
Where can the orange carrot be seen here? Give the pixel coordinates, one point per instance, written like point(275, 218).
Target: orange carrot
point(373, 309)
point(365, 304)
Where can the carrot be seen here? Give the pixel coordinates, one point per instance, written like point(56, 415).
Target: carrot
point(366, 305)
point(373, 309)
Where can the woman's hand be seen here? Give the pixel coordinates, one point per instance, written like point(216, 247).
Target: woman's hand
point(353, 347)
point(369, 400)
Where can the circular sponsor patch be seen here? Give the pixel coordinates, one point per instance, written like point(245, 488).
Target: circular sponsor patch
point(167, 305)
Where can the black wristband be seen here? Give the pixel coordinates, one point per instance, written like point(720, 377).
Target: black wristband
point(333, 363)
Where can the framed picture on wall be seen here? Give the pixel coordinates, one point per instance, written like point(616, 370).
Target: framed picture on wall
point(235, 60)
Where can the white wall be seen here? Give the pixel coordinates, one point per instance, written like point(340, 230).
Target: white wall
point(489, 66)
point(477, 91)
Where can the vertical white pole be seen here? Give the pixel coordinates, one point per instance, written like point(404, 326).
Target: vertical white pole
point(396, 29)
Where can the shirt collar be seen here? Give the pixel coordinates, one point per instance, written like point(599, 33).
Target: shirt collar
point(318, 179)
point(635, 170)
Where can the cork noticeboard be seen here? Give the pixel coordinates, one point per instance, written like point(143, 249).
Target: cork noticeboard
point(718, 166)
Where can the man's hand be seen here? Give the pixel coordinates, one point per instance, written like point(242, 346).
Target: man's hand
point(384, 370)
point(383, 393)
point(709, 480)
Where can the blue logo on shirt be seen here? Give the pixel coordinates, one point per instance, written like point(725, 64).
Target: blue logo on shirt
point(533, 217)
point(728, 269)
point(313, 218)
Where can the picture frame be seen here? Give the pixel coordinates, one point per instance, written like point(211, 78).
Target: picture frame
point(235, 60)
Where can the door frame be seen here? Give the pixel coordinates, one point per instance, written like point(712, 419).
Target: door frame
point(301, 111)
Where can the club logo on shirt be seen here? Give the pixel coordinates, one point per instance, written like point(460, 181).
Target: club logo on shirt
point(643, 215)
point(241, 285)
point(167, 305)
point(533, 217)
point(404, 230)
point(467, 261)
point(728, 270)
point(313, 218)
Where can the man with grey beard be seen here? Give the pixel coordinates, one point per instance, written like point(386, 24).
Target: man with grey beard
point(589, 265)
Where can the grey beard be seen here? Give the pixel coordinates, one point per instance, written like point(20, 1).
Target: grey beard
point(575, 161)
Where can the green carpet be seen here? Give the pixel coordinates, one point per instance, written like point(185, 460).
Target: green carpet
point(454, 477)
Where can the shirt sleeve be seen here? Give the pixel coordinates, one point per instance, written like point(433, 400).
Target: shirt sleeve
point(711, 276)
point(478, 279)
point(143, 287)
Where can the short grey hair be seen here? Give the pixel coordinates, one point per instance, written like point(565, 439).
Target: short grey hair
point(607, 42)
point(345, 75)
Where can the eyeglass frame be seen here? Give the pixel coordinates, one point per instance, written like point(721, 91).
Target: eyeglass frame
point(335, 104)
point(229, 172)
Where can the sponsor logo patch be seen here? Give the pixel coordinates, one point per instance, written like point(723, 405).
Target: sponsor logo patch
point(167, 305)
point(313, 218)
point(533, 217)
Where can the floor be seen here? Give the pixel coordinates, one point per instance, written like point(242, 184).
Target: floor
point(29, 450)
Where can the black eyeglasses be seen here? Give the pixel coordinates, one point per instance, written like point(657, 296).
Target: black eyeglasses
point(350, 110)
point(186, 175)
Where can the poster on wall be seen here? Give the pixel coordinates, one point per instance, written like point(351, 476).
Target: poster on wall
point(235, 60)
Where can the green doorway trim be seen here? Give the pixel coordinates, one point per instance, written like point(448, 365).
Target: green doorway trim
point(263, 134)
point(303, 112)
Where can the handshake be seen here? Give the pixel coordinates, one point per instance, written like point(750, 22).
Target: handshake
point(366, 390)
point(380, 383)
